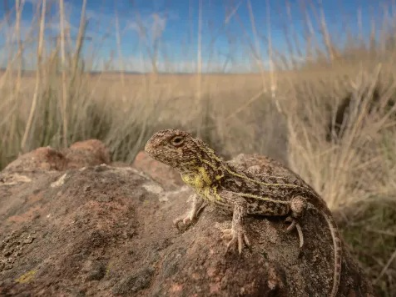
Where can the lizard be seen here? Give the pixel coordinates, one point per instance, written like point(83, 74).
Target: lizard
point(269, 189)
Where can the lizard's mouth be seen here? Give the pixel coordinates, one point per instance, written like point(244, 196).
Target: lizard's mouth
point(153, 152)
point(149, 150)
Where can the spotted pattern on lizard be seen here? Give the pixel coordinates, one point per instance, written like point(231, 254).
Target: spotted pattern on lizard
point(267, 189)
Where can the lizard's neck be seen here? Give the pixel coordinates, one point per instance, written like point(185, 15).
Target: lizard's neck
point(205, 170)
point(204, 174)
point(198, 178)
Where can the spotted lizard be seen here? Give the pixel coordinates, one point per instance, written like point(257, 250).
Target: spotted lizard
point(261, 189)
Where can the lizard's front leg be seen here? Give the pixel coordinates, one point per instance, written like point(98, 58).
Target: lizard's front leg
point(186, 219)
point(237, 231)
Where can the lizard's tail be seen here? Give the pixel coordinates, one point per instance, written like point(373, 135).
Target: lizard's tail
point(337, 253)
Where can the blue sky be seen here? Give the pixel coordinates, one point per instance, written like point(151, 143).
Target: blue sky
point(167, 30)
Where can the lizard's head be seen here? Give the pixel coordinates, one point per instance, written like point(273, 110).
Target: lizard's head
point(175, 148)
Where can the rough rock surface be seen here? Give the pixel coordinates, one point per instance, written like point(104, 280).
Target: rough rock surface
point(72, 226)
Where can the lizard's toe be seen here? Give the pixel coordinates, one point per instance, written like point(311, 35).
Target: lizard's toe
point(227, 233)
point(231, 243)
point(183, 220)
point(295, 225)
point(242, 239)
point(246, 239)
point(238, 239)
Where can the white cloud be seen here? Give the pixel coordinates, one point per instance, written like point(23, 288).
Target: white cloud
point(149, 26)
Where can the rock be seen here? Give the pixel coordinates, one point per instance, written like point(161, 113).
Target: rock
point(87, 153)
point(84, 153)
point(101, 230)
point(161, 173)
point(43, 158)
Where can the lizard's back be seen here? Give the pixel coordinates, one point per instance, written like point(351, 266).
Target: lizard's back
point(286, 183)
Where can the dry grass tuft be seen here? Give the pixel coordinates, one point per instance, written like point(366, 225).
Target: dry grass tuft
point(371, 233)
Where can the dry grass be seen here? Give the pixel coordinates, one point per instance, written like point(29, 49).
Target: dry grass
point(285, 114)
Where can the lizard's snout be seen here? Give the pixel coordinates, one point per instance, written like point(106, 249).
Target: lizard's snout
point(151, 149)
point(148, 148)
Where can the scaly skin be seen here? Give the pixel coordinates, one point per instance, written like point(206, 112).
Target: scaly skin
point(266, 188)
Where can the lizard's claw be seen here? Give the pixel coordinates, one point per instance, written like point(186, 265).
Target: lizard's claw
point(238, 237)
point(186, 221)
point(295, 225)
point(188, 218)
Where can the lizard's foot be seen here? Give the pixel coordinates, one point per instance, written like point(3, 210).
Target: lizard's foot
point(238, 237)
point(295, 225)
point(298, 205)
point(186, 220)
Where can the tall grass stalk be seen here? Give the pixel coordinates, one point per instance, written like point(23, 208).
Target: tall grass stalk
point(38, 77)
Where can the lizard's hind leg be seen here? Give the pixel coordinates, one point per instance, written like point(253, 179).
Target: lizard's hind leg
point(298, 205)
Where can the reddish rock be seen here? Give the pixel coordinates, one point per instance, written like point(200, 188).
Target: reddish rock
point(43, 158)
point(87, 153)
point(160, 172)
point(84, 153)
point(107, 231)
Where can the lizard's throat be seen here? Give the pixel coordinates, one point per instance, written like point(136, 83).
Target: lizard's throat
point(198, 179)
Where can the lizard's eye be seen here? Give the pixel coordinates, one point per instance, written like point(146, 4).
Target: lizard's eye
point(177, 141)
